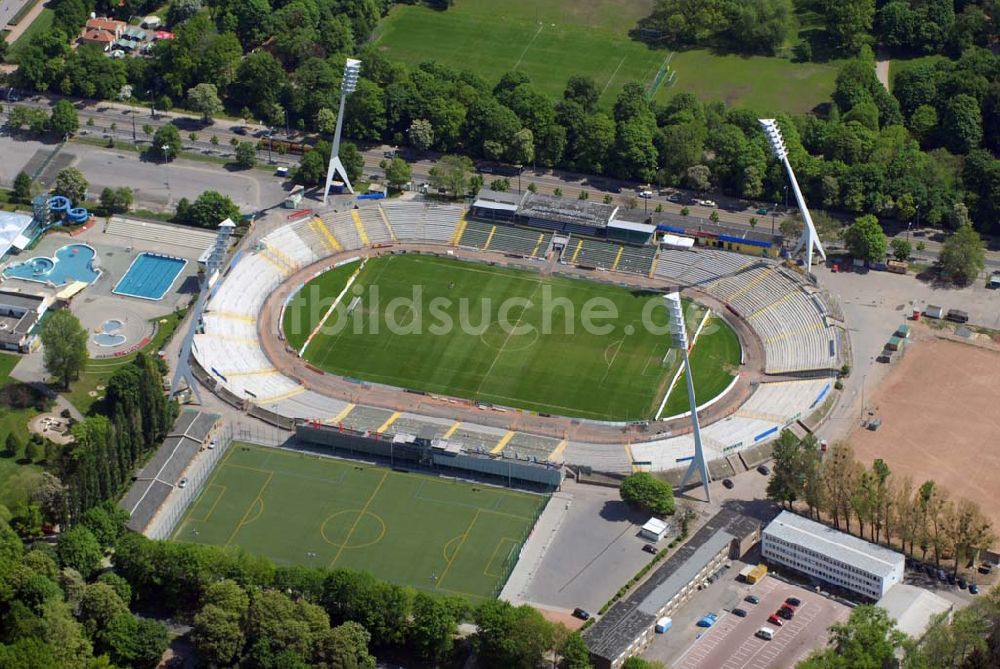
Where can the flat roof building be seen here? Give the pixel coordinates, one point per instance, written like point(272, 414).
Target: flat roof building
point(19, 312)
point(831, 556)
point(628, 626)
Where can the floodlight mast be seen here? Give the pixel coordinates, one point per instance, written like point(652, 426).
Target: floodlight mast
point(809, 239)
point(678, 332)
point(352, 69)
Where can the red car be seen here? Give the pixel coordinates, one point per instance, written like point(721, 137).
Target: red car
point(775, 620)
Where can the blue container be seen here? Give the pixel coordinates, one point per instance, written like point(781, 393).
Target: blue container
point(78, 215)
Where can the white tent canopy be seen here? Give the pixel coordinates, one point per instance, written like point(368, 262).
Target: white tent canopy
point(12, 227)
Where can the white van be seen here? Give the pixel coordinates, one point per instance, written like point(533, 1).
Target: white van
point(765, 633)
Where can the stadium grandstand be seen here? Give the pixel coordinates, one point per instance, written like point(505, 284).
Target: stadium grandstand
point(788, 314)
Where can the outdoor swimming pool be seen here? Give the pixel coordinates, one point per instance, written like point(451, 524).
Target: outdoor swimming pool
point(150, 276)
point(109, 335)
point(74, 262)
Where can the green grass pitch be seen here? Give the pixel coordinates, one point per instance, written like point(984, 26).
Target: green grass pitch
point(551, 40)
point(433, 534)
point(618, 374)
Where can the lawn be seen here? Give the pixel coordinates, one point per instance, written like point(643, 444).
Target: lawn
point(437, 535)
point(42, 23)
point(99, 370)
point(16, 479)
point(551, 41)
point(498, 335)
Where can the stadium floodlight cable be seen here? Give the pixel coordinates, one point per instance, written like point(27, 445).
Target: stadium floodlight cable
point(213, 267)
point(352, 70)
point(809, 239)
point(678, 333)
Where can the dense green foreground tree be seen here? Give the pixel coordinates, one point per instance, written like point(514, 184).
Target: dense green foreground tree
point(65, 343)
point(642, 491)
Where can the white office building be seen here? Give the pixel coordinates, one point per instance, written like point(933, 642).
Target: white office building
point(831, 556)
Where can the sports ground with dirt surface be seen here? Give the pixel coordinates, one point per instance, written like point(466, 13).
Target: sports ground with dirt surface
point(940, 420)
point(435, 534)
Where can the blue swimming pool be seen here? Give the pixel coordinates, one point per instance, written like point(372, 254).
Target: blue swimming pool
point(74, 262)
point(150, 276)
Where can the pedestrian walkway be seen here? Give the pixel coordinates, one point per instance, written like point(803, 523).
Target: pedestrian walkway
point(535, 547)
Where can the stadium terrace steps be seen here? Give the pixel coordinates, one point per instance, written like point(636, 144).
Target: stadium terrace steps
point(506, 239)
point(375, 225)
point(476, 234)
point(167, 235)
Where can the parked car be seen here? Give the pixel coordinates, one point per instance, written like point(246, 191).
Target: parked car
point(951, 579)
point(962, 583)
point(706, 203)
point(707, 620)
point(674, 197)
point(765, 633)
point(985, 568)
point(941, 575)
point(762, 211)
point(793, 602)
point(182, 483)
point(650, 548)
point(582, 614)
point(775, 620)
point(281, 172)
point(753, 599)
point(785, 612)
point(764, 469)
point(239, 129)
point(957, 316)
point(727, 483)
point(973, 589)
point(740, 613)
point(646, 194)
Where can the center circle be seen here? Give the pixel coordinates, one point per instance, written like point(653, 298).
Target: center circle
point(500, 338)
point(353, 528)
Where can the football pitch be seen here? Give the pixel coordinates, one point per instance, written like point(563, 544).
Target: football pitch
point(430, 533)
point(506, 336)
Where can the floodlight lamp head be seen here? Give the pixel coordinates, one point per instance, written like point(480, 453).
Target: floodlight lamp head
point(675, 310)
point(352, 70)
point(774, 138)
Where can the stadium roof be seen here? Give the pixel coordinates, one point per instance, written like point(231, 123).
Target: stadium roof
point(166, 467)
point(565, 210)
point(838, 545)
point(693, 225)
point(630, 617)
point(18, 300)
point(632, 227)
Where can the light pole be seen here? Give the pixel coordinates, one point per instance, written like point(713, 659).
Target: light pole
point(786, 198)
point(352, 70)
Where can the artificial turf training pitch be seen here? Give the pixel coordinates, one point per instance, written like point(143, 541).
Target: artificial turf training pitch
point(424, 531)
point(619, 373)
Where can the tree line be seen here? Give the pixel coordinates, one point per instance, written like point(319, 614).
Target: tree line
point(876, 504)
point(867, 152)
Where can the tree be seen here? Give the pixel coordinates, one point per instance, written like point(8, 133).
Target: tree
point(869, 638)
point(901, 249)
point(12, 446)
point(574, 653)
point(246, 154)
point(133, 642)
point(421, 134)
point(210, 209)
point(636, 662)
point(787, 482)
point(22, 187)
point(78, 549)
point(117, 200)
point(450, 174)
point(204, 98)
point(962, 124)
point(65, 343)
point(963, 255)
point(34, 452)
point(849, 22)
point(433, 628)
point(641, 491)
point(866, 240)
point(167, 136)
point(71, 183)
point(326, 121)
point(345, 646)
point(510, 636)
point(398, 173)
point(217, 635)
point(64, 119)
point(698, 177)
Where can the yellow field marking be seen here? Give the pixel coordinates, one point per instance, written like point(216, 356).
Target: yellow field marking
point(795, 333)
point(215, 504)
point(444, 549)
point(504, 440)
point(283, 396)
point(452, 429)
point(357, 520)
point(489, 239)
point(458, 550)
point(486, 569)
point(618, 258)
point(558, 451)
point(320, 225)
point(538, 244)
point(232, 316)
point(579, 247)
point(322, 529)
point(282, 270)
point(780, 300)
point(389, 421)
point(385, 219)
point(253, 504)
point(757, 280)
point(656, 261)
point(252, 372)
point(459, 230)
point(360, 227)
point(342, 415)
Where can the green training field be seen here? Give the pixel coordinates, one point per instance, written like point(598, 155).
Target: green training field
point(555, 39)
point(543, 359)
point(427, 532)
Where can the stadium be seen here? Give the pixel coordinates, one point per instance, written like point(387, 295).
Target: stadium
point(791, 336)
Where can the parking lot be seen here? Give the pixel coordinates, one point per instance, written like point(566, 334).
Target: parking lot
point(730, 643)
